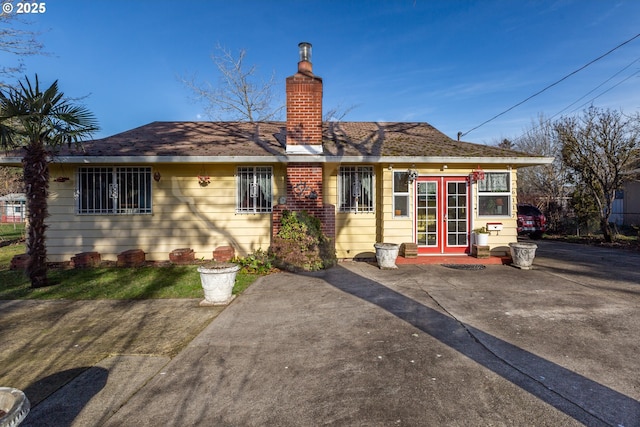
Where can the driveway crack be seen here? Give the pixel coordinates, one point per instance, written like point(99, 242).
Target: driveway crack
point(470, 332)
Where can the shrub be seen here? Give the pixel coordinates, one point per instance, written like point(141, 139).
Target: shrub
point(259, 262)
point(300, 244)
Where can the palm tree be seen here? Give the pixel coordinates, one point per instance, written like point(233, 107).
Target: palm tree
point(39, 121)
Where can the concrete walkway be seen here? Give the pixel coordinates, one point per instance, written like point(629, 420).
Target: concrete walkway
point(419, 346)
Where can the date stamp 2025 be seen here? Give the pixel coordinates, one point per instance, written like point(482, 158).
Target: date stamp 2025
point(21, 8)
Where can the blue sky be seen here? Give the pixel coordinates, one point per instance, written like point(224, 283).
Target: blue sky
point(453, 64)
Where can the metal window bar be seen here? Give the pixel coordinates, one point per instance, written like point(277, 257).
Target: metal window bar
point(356, 189)
point(93, 190)
point(134, 190)
point(114, 190)
point(262, 194)
point(254, 189)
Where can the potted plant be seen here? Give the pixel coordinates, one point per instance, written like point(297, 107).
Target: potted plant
point(482, 236)
point(217, 280)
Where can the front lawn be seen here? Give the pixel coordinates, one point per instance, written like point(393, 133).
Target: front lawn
point(108, 282)
point(11, 232)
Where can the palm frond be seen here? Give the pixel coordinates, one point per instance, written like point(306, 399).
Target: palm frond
point(43, 116)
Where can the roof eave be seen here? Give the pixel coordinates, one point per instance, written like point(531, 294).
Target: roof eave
point(449, 160)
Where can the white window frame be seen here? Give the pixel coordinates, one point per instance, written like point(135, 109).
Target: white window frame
point(488, 196)
point(356, 189)
point(254, 189)
point(114, 190)
point(401, 194)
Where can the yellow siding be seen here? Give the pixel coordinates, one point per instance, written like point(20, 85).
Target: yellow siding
point(203, 218)
point(499, 240)
point(400, 230)
point(184, 215)
point(355, 233)
point(393, 230)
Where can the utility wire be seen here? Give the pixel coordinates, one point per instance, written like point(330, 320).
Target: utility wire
point(548, 120)
point(460, 134)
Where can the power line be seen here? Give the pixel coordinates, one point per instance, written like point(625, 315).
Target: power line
point(598, 87)
point(460, 134)
point(548, 120)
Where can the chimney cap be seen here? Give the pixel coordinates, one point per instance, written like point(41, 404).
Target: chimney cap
point(305, 51)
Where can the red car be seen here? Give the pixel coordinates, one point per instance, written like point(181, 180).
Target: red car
point(531, 221)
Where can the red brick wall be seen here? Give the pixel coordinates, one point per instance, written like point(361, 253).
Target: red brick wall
point(304, 127)
point(304, 109)
point(303, 181)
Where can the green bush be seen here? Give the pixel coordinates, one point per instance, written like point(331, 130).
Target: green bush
point(259, 262)
point(300, 244)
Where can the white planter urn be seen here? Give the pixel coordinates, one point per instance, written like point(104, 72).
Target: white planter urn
point(386, 254)
point(522, 254)
point(14, 406)
point(482, 239)
point(217, 282)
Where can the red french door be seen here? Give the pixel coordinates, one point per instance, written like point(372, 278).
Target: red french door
point(442, 215)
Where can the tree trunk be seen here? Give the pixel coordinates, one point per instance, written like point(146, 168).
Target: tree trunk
point(36, 175)
point(606, 230)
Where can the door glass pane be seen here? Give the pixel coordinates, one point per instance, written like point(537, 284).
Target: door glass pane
point(427, 214)
point(457, 234)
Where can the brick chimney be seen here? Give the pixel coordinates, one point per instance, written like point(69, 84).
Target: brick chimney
point(304, 180)
point(304, 107)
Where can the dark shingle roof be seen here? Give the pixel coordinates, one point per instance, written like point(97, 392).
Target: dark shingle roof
point(244, 139)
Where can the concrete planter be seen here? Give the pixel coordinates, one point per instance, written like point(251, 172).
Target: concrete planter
point(217, 282)
point(522, 254)
point(386, 254)
point(14, 406)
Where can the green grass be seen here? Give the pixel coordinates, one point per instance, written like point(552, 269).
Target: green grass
point(10, 232)
point(108, 282)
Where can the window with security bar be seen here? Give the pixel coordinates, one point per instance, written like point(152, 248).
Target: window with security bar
point(114, 190)
point(355, 189)
point(254, 189)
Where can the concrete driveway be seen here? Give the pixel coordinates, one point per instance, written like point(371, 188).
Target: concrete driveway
point(421, 345)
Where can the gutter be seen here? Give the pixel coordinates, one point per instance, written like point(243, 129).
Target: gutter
point(449, 160)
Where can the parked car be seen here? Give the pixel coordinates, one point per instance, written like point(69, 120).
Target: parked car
point(531, 221)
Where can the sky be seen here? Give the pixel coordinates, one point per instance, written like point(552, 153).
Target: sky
point(453, 64)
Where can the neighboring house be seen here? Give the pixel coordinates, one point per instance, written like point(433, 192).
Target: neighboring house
point(169, 185)
point(631, 203)
point(12, 207)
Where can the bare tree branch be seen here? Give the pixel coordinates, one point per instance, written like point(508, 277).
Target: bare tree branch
point(17, 42)
point(239, 93)
point(337, 113)
point(601, 148)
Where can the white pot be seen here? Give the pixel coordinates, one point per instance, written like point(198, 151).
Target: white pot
point(522, 254)
point(217, 283)
point(15, 406)
point(386, 254)
point(482, 239)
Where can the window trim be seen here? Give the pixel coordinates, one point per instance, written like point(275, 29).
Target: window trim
point(370, 207)
point(506, 194)
point(401, 194)
point(253, 209)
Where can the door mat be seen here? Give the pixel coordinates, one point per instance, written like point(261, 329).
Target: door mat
point(465, 266)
